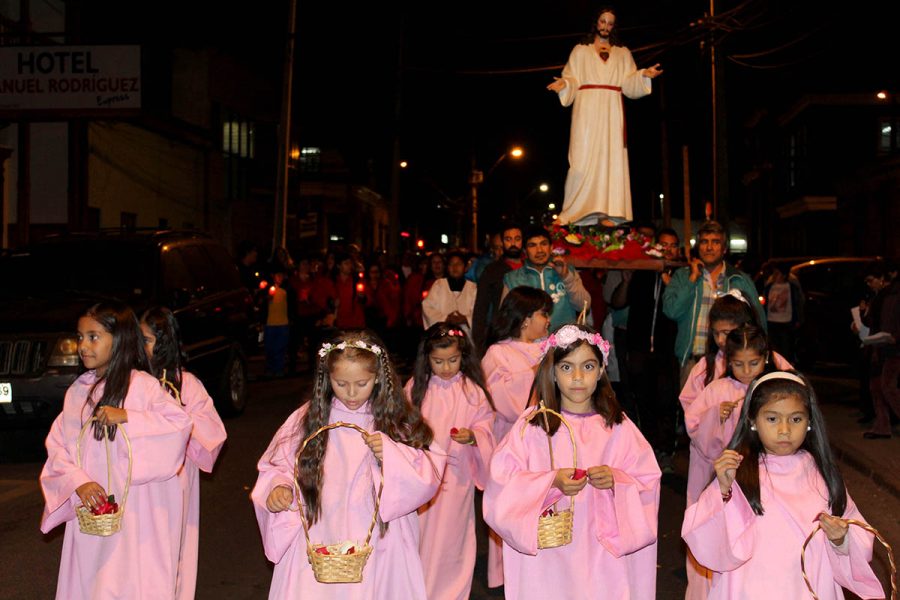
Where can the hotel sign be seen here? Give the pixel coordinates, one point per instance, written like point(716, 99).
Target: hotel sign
point(66, 81)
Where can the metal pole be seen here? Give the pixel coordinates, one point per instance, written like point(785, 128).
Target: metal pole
point(284, 145)
point(687, 198)
point(715, 124)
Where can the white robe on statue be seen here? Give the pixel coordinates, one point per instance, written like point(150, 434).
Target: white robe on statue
point(598, 184)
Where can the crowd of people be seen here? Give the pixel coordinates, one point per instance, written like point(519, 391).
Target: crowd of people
point(564, 409)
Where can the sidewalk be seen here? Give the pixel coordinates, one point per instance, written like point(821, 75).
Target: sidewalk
point(877, 459)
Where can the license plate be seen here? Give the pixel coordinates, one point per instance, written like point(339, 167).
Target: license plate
point(5, 392)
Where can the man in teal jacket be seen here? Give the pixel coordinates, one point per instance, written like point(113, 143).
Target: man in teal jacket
point(553, 276)
point(692, 290)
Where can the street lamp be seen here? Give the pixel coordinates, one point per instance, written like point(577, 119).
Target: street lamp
point(477, 177)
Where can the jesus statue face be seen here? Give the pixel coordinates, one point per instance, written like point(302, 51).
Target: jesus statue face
point(605, 23)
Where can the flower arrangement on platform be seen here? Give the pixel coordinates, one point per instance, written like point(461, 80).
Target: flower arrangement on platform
point(586, 243)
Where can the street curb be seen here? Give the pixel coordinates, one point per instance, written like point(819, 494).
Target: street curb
point(865, 469)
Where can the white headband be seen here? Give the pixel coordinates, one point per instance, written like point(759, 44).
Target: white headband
point(735, 293)
point(779, 375)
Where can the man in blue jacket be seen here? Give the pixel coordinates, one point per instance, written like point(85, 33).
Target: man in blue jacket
point(693, 289)
point(553, 276)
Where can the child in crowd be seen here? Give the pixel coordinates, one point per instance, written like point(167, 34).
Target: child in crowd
point(280, 309)
point(774, 484)
point(509, 363)
point(726, 314)
point(141, 559)
point(711, 419)
point(338, 475)
point(162, 343)
point(448, 387)
point(614, 486)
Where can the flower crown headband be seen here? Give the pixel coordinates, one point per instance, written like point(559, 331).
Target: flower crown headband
point(569, 334)
point(328, 348)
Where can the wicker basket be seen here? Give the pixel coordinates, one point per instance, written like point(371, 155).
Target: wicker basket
point(335, 567)
point(556, 529)
point(871, 530)
point(108, 524)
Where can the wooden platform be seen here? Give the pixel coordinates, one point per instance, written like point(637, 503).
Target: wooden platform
point(642, 264)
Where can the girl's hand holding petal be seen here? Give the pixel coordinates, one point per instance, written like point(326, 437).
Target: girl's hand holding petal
point(373, 441)
point(568, 486)
point(110, 415)
point(601, 477)
point(91, 494)
point(835, 528)
point(726, 468)
point(280, 499)
point(463, 436)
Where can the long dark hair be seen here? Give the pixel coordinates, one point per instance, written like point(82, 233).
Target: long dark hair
point(588, 39)
point(746, 441)
point(748, 337)
point(127, 354)
point(394, 416)
point(168, 354)
point(731, 310)
point(603, 400)
point(520, 303)
point(443, 335)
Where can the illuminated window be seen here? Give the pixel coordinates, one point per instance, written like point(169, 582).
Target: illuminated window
point(239, 139)
point(887, 136)
point(310, 159)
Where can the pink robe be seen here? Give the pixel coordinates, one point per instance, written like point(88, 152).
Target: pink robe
point(141, 560)
point(351, 476)
point(758, 556)
point(207, 437)
point(613, 550)
point(508, 371)
point(708, 438)
point(694, 383)
point(447, 522)
point(708, 435)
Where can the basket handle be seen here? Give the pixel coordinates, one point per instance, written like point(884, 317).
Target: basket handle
point(542, 409)
point(78, 458)
point(306, 441)
point(871, 530)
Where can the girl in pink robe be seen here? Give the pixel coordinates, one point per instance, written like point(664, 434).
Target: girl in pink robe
point(774, 484)
point(614, 485)
point(726, 314)
point(512, 356)
point(710, 421)
point(340, 472)
point(448, 387)
point(140, 560)
point(162, 343)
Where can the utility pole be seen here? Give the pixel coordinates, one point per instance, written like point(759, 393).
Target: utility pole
point(394, 207)
point(719, 140)
point(475, 179)
point(284, 144)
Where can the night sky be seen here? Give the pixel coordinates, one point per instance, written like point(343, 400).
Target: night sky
point(471, 77)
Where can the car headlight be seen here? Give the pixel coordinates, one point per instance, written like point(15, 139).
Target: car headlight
point(65, 353)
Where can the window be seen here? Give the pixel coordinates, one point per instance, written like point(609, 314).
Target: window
point(887, 136)
point(310, 159)
point(238, 138)
point(128, 221)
